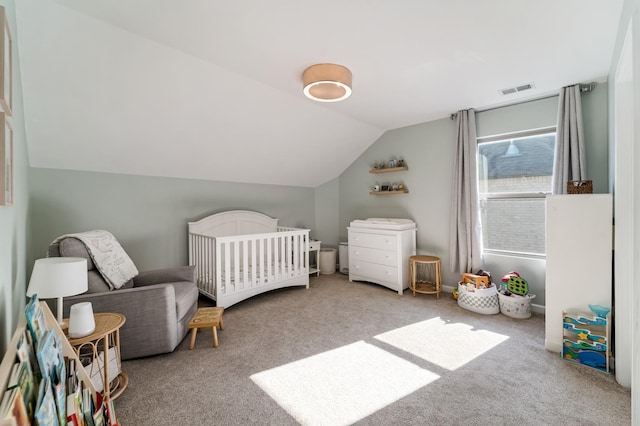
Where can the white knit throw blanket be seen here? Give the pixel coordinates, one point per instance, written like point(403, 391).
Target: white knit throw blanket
point(113, 263)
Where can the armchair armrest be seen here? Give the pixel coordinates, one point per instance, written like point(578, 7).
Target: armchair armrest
point(150, 313)
point(168, 275)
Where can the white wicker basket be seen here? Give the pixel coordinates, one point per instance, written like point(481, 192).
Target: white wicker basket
point(516, 307)
point(482, 301)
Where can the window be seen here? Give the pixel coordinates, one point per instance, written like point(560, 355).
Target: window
point(514, 176)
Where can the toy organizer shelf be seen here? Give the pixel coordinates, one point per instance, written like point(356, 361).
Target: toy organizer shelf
point(586, 340)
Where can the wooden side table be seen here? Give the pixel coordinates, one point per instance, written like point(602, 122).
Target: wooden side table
point(105, 339)
point(432, 264)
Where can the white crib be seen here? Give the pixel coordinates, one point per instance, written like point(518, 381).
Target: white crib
point(239, 254)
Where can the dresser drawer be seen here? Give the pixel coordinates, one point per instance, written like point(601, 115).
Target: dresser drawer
point(379, 241)
point(373, 271)
point(367, 254)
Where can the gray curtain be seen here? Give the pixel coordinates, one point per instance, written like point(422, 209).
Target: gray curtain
point(569, 163)
point(465, 247)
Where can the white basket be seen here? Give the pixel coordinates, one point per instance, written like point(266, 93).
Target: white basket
point(482, 300)
point(516, 307)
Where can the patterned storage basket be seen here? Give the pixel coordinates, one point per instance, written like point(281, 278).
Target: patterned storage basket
point(482, 301)
point(516, 307)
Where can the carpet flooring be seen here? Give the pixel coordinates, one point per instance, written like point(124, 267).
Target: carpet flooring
point(357, 353)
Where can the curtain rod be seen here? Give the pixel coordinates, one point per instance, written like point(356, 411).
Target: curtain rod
point(583, 88)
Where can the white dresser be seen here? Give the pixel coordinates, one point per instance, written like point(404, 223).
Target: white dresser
point(379, 251)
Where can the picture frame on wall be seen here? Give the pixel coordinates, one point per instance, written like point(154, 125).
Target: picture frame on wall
point(6, 65)
point(6, 166)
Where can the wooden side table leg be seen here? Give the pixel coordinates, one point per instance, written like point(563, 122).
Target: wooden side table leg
point(221, 323)
point(413, 273)
point(438, 279)
point(215, 336)
point(192, 343)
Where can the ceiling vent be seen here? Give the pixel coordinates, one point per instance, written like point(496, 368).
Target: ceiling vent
point(517, 89)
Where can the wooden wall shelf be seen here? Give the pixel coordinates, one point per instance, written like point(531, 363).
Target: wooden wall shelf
point(404, 191)
point(389, 170)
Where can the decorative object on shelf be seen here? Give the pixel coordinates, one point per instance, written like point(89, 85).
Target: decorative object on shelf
point(400, 163)
point(384, 188)
point(81, 321)
point(6, 160)
point(580, 187)
point(58, 277)
point(327, 82)
point(392, 164)
point(375, 166)
point(376, 188)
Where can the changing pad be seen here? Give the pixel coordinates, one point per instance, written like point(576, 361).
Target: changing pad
point(384, 223)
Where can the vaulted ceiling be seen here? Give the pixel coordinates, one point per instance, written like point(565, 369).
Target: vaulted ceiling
point(211, 89)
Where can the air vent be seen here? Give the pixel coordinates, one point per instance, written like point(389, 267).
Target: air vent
point(516, 89)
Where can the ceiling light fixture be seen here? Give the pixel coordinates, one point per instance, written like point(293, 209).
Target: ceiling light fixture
point(327, 82)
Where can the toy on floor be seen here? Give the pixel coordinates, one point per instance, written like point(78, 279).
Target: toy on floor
point(513, 283)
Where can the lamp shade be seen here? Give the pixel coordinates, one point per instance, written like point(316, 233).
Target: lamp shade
point(58, 277)
point(327, 82)
point(54, 277)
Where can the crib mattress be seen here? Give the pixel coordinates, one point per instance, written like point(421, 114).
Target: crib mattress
point(384, 223)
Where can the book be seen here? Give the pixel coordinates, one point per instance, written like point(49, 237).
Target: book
point(35, 319)
point(58, 387)
point(25, 351)
point(98, 414)
point(22, 377)
point(45, 414)
point(87, 407)
point(12, 408)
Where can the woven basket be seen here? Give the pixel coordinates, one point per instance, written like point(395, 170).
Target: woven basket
point(516, 307)
point(482, 300)
point(580, 187)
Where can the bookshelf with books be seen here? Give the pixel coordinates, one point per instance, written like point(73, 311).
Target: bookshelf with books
point(41, 379)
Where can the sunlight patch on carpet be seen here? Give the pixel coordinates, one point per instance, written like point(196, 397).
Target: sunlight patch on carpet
point(342, 386)
point(448, 345)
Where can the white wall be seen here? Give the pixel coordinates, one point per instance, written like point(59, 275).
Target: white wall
point(624, 116)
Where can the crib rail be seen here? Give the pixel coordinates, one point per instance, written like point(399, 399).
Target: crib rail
point(233, 268)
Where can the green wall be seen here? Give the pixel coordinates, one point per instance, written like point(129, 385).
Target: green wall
point(13, 219)
point(149, 215)
point(428, 150)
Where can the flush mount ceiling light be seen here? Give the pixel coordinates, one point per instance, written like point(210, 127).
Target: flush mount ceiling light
point(327, 82)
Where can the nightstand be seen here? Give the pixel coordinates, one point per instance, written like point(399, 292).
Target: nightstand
point(314, 266)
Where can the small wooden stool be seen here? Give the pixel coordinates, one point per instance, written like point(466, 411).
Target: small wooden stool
point(205, 318)
point(425, 287)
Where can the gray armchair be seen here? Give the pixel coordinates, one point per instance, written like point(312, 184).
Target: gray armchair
point(158, 305)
